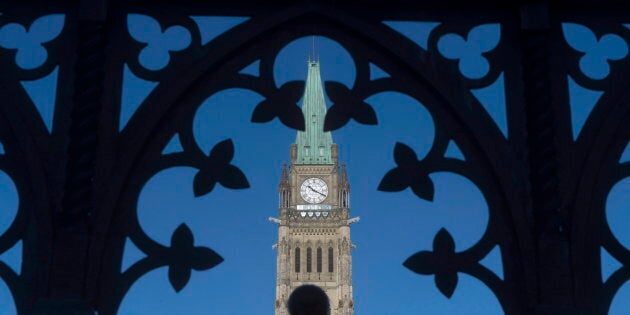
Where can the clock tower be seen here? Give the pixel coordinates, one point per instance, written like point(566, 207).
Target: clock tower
point(314, 245)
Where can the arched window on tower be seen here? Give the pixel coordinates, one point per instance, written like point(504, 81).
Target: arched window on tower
point(330, 259)
point(287, 196)
point(319, 259)
point(297, 259)
point(308, 260)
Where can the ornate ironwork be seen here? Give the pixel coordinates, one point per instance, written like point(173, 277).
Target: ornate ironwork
point(80, 174)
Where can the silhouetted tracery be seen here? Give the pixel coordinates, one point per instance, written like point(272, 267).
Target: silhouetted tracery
point(544, 172)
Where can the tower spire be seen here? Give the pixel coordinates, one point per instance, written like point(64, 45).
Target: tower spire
point(314, 146)
point(284, 178)
point(284, 193)
point(344, 176)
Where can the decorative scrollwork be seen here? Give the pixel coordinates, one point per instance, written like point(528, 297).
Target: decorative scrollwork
point(182, 256)
point(545, 191)
point(30, 46)
point(595, 65)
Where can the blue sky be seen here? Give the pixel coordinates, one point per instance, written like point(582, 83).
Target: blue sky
point(393, 225)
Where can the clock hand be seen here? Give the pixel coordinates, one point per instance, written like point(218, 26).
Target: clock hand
point(313, 189)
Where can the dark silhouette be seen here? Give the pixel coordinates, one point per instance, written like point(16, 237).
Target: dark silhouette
point(308, 300)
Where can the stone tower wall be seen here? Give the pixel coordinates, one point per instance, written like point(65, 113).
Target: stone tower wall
point(296, 231)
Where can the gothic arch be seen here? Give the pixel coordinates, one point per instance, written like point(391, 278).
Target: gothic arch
point(37, 168)
point(170, 108)
point(589, 204)
point(36, 160)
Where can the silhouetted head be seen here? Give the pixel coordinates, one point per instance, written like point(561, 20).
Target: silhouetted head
point(308, 300)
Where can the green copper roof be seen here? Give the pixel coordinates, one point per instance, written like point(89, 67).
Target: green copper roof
point(313, 144)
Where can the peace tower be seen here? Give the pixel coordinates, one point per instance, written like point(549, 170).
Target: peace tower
point(314, 245)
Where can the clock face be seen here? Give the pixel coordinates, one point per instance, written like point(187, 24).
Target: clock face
point(314, 190)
